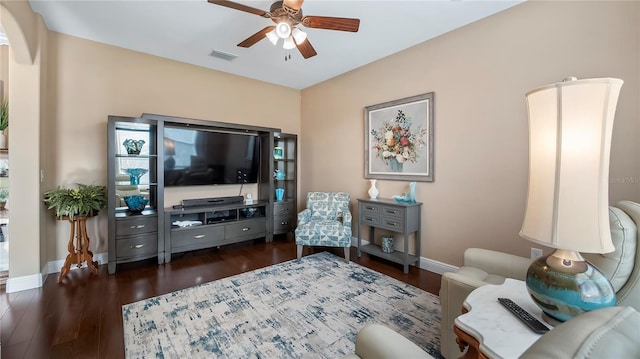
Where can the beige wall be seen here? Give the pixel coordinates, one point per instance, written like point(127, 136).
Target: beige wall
point(479, 74)
point(90, 81)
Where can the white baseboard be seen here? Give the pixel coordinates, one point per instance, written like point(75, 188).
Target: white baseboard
point(431, 265)
point(37, 280)
point(24, 283)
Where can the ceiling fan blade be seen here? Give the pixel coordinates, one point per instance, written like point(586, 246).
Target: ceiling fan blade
point(306, 49)
point(237, 6)
point(293, 4)
point(251, 40)
point(331, 23)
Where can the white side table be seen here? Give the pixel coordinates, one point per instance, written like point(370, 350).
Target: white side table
point(489, 329)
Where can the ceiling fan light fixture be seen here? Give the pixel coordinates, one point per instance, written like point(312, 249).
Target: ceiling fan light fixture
point(288, 43)
point(298, 35)
point(273, 36)
point(283, 30)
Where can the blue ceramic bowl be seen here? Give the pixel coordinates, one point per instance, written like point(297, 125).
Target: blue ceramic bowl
point(136, 203)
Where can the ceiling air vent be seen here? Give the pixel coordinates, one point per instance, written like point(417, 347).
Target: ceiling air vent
point(223, 55)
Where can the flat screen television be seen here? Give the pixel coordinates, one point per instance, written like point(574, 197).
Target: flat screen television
point(200, 157)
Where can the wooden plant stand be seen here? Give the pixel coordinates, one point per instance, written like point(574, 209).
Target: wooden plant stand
point(79, 252)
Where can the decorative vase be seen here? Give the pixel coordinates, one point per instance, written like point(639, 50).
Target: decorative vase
point(279, 194)
point(373, 191)
point(135, 174)
point(394, 165)
point(278, 153)
point(387, 244)
point(278, 174)
point(133, 147)
point(412, 192)
point(136, 203)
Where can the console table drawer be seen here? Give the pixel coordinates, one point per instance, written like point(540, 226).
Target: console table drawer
point(389, 211)
point(246, 228)
point(392, 224)
point(137, 246)
point(370, 219)
point(370, 209)
point(199, 237)
point(136, 225)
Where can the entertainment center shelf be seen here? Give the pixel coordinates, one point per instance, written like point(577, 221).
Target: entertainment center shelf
point(201, 227)
point(173, 151)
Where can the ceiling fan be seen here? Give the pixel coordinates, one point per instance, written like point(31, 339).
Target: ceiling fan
point(287, 15)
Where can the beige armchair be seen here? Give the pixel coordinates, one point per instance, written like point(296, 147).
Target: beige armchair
point(481, 266)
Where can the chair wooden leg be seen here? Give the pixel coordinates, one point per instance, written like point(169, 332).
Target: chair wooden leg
point(299, 251)
point(346, 254)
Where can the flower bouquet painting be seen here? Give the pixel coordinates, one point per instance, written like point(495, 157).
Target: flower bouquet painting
point(399, 139)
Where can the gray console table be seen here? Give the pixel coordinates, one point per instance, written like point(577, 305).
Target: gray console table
point(391, 215)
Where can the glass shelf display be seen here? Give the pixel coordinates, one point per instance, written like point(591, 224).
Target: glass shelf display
point(285, 182)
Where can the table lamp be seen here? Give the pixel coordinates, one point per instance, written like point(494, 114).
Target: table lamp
point(570, 127)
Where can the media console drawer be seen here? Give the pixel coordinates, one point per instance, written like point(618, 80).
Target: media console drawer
point(136, 225)
point(254, 227)
point(133, 247)
point(196, 237)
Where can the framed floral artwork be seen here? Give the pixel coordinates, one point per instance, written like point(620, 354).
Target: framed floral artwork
point(399, 139)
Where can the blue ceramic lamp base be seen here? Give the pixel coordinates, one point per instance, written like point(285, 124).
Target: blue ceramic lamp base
point(564, 285)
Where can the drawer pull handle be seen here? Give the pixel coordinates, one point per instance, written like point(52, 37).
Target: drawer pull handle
point(284, 223)
point(369, 219)
point(137, 246)
point(371, 208)
point(392, 211)
point(392, 223)
point(199, 236)
point(245, 229)
point(137, 227)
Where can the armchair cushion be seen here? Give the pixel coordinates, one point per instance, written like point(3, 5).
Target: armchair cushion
point(605, 333)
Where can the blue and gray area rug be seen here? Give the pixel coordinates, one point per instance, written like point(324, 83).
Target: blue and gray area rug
point(311, 308)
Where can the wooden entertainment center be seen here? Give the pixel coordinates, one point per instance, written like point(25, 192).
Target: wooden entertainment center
point(160, 232)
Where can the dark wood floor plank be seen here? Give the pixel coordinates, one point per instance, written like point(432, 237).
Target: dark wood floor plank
point(82, 317)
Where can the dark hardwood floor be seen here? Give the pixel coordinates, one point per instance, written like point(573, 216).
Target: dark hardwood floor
point(82, 317)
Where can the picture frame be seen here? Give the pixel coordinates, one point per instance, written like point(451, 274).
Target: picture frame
point(399, 139)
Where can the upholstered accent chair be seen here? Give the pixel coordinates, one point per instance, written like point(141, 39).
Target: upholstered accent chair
point(482, 266)
point(325, 222)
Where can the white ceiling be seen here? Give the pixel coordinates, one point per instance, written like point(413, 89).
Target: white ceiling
point(188, 30)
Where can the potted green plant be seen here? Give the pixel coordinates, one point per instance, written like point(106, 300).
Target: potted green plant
point(4, 123)
point(4, 196)
point(85, 200)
